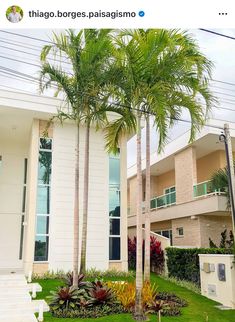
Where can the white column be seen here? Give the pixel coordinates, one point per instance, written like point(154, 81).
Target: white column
point(31, 199)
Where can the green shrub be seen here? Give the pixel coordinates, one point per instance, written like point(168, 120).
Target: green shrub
point(90, 274)
point(183, 263)
point(49, 275)
point(171, 298)
point(183, 283)
point(110, 273)
point(89, 312)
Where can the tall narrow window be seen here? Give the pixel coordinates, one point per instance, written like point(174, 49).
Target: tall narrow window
point(23, 209)
point(43, 200)
point(114, 208)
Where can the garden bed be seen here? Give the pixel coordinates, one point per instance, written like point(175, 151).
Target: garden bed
point(199, 308)
point(97, 298)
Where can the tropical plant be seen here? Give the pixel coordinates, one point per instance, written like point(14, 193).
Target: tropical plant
point(126, 292)
point(132, 253)
point(66, 298)
point(88, 52)
point(164, 74)
point(149, 293)
point(68, 278)
point(156, 254)
point(225, 241)
point(89, 311)
point(100, 293)
point(219, 182)
point(171, 298)
point(171, 90)
point(155, 306)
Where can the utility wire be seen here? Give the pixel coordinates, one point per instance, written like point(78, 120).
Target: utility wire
point(134, 109)
point(31, 54)
point(50, 42)
point(226, 100)
point(219, 81)
point(217, 33)
point(27, 77)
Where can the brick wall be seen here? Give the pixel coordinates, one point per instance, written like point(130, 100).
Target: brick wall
point(213, 226)
point(191, 229)
point(185, 174)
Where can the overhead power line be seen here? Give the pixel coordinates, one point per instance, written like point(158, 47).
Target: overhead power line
point(29, 78)
point(223, 82)
point(217, 33)
point(31, 54)
point(50, 42)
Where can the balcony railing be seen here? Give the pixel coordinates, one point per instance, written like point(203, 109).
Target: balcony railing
point(163, 201)
point(204, 188)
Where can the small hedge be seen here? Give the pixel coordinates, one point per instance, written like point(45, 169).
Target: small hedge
point(183, 263)
point(88, 312)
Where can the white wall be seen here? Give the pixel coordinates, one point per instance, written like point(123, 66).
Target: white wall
point(223, 291)
point(11, 195)
point(62, 186)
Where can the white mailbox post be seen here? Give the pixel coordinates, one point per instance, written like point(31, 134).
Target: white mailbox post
point(217, 274)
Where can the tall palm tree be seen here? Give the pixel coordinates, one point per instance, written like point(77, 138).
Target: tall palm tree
point(88, 52)
point(164, 74)
point(128, 94)
point(176, 80)
point(147, 204)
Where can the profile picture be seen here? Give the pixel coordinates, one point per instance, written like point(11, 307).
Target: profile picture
point(14, 14)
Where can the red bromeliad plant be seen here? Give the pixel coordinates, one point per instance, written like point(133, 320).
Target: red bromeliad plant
point(100, 293)
point(81, 283)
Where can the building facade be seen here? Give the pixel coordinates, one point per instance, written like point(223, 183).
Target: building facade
point(37, 190)
point(184, 207)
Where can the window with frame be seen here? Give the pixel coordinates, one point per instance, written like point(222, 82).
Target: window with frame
point(180, 231)
point(43, 200)
point(114, 208)
point(23, 209)
point(166, 233)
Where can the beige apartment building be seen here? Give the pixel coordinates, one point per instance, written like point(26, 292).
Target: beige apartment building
point(184, 206)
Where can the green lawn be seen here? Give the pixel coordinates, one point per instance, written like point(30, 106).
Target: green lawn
point(200, 309)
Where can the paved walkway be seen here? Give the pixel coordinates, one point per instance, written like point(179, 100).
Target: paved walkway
point(16, 304)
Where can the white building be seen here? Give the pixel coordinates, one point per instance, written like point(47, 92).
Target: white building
point(37, 190)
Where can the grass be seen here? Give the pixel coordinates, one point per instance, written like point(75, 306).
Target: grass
point(199, 309)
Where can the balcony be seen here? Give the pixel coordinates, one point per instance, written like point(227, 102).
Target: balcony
point(205, 188)
point(165, 200)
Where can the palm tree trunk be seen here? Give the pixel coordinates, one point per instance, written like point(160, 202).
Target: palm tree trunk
point(138, 314)
point(85, 201)
point(76, 215)
point(147, 206)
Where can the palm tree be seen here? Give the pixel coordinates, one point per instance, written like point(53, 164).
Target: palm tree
point(88, 52)
point(164, 74)
point(128, 94)
point(176, 80)
point(147, 204)
point(219, 182)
